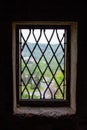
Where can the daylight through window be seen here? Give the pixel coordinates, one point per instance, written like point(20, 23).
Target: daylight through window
point(43, 63)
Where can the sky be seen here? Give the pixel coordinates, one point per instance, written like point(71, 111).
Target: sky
point(48, 32)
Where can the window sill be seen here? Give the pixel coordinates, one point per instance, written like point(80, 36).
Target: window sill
point(53, 112)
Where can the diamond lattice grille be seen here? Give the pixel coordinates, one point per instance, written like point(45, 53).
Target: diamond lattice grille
point(42, 70)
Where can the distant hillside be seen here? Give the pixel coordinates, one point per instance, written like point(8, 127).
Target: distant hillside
point(37, 53)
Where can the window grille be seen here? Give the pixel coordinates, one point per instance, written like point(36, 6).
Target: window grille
point(43, 65)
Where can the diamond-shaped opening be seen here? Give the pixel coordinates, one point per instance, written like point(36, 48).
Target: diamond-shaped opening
point(40, 88)
point(25, 93)
point(49, 33)
point(30, 87)
point(31, 65)
point(25, 53)
point(53, 65)
point(25, 75)
point(43, 40)
point(42, 64)
point(60, 92)
point(59, 76)
point(59, 95)
point(47, 75)
point(53, 87)
point(36, 76)
point(54, 39)
point(25, 33)
point(36, 34)
point(37, 53)
point(48, 54)
point(31, 39)
point(59, 53)
point(60, 33)
point(47, 94)
point(36, 94)
point(44, 87)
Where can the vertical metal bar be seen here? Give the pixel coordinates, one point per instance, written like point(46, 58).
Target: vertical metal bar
point(68, 64)
point(20, 84)
point(65, 55)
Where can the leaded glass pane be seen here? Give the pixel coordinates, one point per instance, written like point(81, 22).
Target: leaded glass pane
point(42, 73)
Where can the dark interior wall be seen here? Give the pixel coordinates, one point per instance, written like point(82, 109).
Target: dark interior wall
point(11, 11)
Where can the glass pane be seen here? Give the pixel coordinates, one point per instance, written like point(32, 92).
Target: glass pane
point(42, 63)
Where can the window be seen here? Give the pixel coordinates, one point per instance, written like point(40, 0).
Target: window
point(42, 66)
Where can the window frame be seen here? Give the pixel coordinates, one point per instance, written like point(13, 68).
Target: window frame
point(59, 103)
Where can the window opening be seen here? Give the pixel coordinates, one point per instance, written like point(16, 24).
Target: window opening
point(43, 64)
